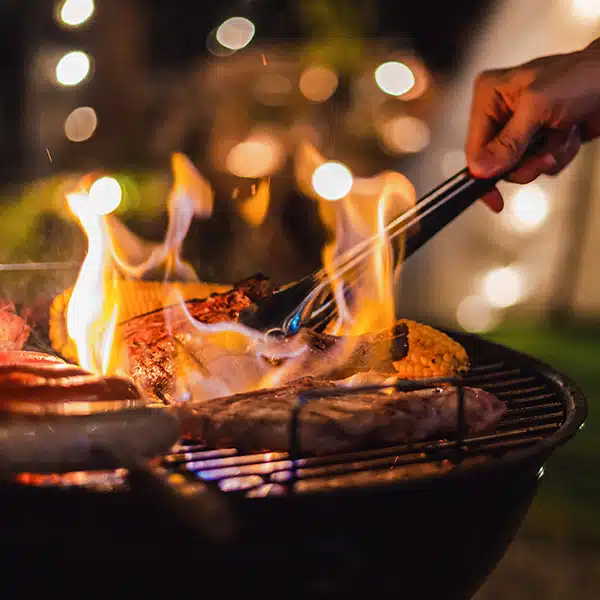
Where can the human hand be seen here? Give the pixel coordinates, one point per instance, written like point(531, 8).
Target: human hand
point(560, 94)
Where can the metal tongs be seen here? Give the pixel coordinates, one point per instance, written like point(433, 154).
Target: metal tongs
point(309, 302)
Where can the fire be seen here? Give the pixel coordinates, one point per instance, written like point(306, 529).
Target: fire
point(354, 221)
point(114, 253)
point(226, 358)
point(191, 196)
point(93, 308)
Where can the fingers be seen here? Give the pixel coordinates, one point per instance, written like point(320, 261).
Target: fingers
point(560, 149)
point(494, 200)
point(505, 150)
point(487, 113)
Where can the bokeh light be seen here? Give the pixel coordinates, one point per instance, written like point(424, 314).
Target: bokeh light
point(453, 161)
point(586, 11)
point(76, 12)
point(318, 84)
point(72, 68)
point(215, 47)
point(235, 33)
point(105, 194)
point(528, 209)
point(504, 287)
point(258, 156)
point(332, 180)
point(476, 315)
point(81, 124)
point(273, 89)
point(405, 134)
point(394, 78)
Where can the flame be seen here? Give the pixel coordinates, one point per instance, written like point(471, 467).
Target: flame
point(361, 215)
point(191, 195)
point(93, 307)
point(254, 209)
point(225, 358)
point(114, 252)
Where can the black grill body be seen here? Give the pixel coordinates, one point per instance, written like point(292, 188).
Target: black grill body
point(359, 525)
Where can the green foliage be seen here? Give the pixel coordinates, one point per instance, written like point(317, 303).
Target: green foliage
point(566, 507)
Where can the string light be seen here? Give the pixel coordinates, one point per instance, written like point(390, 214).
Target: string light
point(476, 315)
point(453, 161)
point(106, 194)
point(215, 47)
point(318, 83)
point(81, 124)
point(405, 134)
point(72, 68)
point(235, 33)
point(528, 209)
point(504, 287)
point(257, 156)
point(332, 180)
point(76, 12)
point(586, 11)
point(394, 78)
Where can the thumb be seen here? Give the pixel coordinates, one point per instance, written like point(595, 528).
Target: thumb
point(505, 150)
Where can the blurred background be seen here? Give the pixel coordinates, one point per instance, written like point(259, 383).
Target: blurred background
point(117, 86)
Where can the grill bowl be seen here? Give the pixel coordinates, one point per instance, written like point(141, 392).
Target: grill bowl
point(342, 532)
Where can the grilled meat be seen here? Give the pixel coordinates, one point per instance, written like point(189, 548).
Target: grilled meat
point(14, 331)
point(42, 388)
point(155, 339)
point(260, 420)
point(151, 339)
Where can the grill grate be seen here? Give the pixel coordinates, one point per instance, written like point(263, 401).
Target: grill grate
point(535, 410)
point(537, 407)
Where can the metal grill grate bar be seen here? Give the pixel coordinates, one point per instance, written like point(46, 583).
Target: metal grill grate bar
point(535, 409)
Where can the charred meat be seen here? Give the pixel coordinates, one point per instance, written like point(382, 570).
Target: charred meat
point(151, 339)
point(14, 330)
point(260, 420)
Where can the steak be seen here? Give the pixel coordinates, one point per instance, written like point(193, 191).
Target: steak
point(260, 420)
point(151, 340)
point(14, 330)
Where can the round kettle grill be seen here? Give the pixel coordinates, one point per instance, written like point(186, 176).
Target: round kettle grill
point(430, 519)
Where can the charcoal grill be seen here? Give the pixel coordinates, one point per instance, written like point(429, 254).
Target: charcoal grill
point(430, 519)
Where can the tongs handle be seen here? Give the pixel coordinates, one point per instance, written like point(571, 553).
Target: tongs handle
point(450, 199)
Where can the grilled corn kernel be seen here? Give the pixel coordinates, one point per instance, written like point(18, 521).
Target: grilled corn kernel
point(431, 353)
point(135, 298)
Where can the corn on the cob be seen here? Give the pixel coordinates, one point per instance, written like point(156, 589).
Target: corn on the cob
point(135, 298)
point(431, 353)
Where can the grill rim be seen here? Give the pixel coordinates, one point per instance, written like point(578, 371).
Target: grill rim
point(575, 407)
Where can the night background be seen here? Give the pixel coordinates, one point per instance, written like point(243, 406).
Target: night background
point(159, 83)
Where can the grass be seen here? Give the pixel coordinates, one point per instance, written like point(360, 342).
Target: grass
point(567, 507)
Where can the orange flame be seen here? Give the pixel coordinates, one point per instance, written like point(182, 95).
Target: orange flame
point(226, 358)
point(191, 195)
point(93, 307)
point(360, 215)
